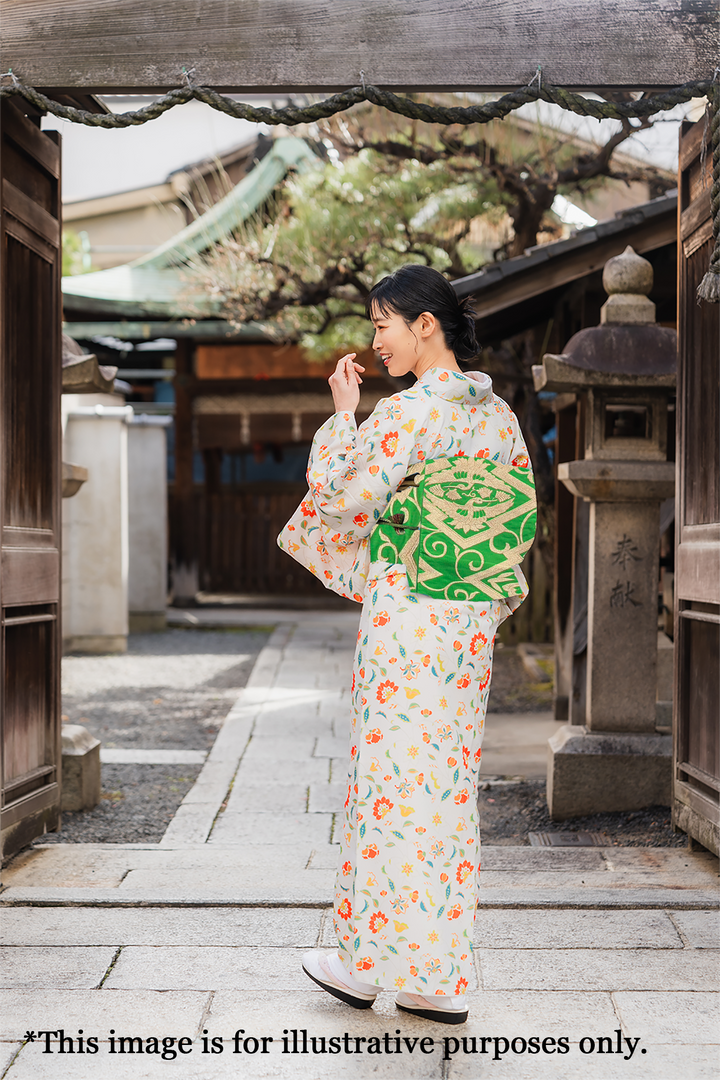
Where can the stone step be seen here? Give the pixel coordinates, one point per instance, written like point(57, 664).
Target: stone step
point(317, 893)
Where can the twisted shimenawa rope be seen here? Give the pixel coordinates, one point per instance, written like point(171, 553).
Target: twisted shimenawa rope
point(709, 287)
point(291, 115)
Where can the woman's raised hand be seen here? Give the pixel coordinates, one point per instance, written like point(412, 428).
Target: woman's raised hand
point(345, 383)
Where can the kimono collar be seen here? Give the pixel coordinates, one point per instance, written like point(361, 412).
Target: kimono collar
point(470, 387)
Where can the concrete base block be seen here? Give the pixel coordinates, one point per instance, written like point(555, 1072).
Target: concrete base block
point(80, 768)
point(145, 622)
point(95, 644)
point(591, 772)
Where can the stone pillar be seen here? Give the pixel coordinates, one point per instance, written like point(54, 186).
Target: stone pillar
point(622, 616)
point(80, 768)
point(147, 523)
point(95, 526)
point(615, 759)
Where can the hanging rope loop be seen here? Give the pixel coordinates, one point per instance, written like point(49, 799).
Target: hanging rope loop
point(291, 115)
point(709, 287)
point(536, 90)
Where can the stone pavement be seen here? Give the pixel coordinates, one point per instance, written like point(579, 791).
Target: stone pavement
point(579, 952)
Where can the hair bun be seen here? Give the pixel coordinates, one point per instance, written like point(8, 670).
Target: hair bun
point(465, 344)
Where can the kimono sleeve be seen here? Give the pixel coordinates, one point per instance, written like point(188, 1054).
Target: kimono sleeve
point(352, 474)
point(519, 452)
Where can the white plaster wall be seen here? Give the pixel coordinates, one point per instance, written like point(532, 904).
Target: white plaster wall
point(147, 517)
point(95, 528)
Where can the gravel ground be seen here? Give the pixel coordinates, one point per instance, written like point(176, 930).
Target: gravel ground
point(171, 690)
point(508, 814)
point(138, 803)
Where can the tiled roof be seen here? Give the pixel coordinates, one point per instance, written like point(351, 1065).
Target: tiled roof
point(538, 258)
point(152, 286)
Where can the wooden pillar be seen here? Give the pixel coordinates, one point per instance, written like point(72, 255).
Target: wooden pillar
point(184, 530)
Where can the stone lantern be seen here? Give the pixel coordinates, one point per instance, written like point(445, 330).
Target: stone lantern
point(625, 370)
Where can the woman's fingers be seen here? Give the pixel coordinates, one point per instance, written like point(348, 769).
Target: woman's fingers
point(346, 368)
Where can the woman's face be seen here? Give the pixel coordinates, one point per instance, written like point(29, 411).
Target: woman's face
point(399, 345)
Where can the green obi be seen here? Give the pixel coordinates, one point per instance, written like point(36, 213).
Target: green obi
point(459, 525)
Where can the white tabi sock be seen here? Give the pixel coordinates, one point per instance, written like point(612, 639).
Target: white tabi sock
point(339, 971)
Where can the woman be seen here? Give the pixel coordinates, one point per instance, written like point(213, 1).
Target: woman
point(406, 886)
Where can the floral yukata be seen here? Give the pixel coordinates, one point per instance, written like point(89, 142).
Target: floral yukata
point(410, 847)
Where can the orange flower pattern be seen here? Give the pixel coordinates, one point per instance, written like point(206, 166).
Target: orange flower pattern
point(420, 684)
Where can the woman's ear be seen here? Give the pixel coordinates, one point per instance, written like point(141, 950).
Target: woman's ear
point(428, 323)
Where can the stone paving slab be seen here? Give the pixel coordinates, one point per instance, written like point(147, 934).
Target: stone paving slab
point(245, 828)
point(515, 744)
point(276, 927)
point(591, 969)
point(699, 929)
point(264, 750)
point(211, 967)
point(665, 1017)
point(333, 747)
point(282, 770)
point(338, 769)
point(246, 895)
point(292, 723)
point(142, 1012)
point(105, 866)
point(677, 861)
point(337, 710)
point(589, 879)
point(327, 797)
point(546, 859)
point(246, 886)
point(566, 930)
point(71, 865)
point(8, 1051)
point(224, 617)
point(72, 968)
point(246, 798)
point(660, 1063)
point(576, 930)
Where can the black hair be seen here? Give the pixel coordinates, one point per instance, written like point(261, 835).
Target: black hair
point(413, 289)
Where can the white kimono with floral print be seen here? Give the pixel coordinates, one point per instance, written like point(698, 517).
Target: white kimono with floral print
point(407, 880)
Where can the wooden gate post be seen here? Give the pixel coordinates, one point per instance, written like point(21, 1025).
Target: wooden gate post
point(30, 377)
